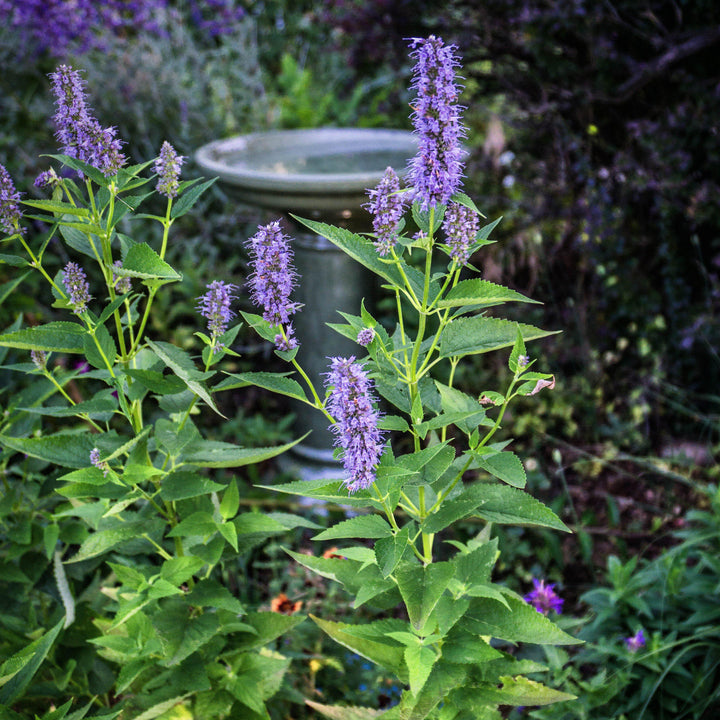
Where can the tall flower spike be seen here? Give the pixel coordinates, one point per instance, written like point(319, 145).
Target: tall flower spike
point(461, 225)
point(544, 598)
point(78, 288)
point(436, 170)
point(9, 198)
point(273, 277)
point(167, 166)
point(356, 426)
point(79, 133)
point(214, 306)
point(386, 207)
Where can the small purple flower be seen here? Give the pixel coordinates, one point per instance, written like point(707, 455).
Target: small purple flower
point(76, 284)
point(635, 642)
point(99, 464)
point(273, 276)
point(214, 306)
point(523, 361)
point(544, 598)
point(356, 426)
point(461, 225)
point(365, 336)
point(47, 178)
point(386, 207)
point(436, 170)
point(122, 283)
point(79, 133)
point(289, 342)
point(167, 166)
point(39, 358)
point(9, 198)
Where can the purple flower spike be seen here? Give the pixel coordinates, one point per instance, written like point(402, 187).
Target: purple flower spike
point(273, 276)
point(39, 358)
point(386, 207)
point(214, 306)
point(461, 225)
point(635, 642)
point(544, 598)
point(95, 460)
point(9, 198)
point(76, 284)
point(365, 336)
point(167, 166)
point(79, 133)
point(289, 342)
point(436, 171)
point(350, 403)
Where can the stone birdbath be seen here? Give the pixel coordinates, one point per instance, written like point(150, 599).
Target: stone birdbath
point(322, 174)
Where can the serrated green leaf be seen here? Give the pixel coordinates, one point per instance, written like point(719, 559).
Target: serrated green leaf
point(267, 627)
point(160, 708)
point(455, 509)
point(6, 289)
point(214, 454)
point(360, 526)
point(199, 523)
point(473, 335)
point(323, 489)
point(55, 206)
point(419, 661)
point(481, 293)
point(141, 261)
point(269, 381)
point(505, 466)
point(70, 450)
point(421, 588)
point(182, 484)
point(180, 569)
point(188, 198)
point(510, 506)
point(344, 712)
point(102, 406)
point(210, 593)
point(100, 351)
point(60, 337)
point(156, 381)
point(516, 691)
point(104, 540)
point(231, 501)
point(390, 550)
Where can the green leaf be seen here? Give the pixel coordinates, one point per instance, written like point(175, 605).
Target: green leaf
point(508, 506)
point(517, 691)
point(100, 351)
point(505, 466)
point(180, 569)
point(57, 207)
point(473, 335)
point(421, 588)
point(7, 288)
point(230, 502)
point(188, 198)
point(141, 261)
point(466, 649)
point(14, 260)
point(258, 677)
point(457, 508)
point(381, 653)
point(228, 531)
point(333, 491)
point(102, 406)
point(360, 526)
point(522, 623)
point(199, 523)
point(344, 712)
point(172, 437)
point(78, 240)
point(156, 381)
point(518, 351)
point(160, 708)
point(269, 381)
point(390, 550)
point(420, 661)
point(60, 337)
point(210, 593)
point(182, 484)
point(194, 634)
point(214, 454)
point(104, 540)
point(481, 293)
point(268, 626)
point(17, 671)
point(65, 449)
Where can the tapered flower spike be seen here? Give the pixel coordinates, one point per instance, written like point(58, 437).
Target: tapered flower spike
point(79, 133)
point(436, 170)
point(544, 598)
point(167, 167)
point(9, 208)
point(215, 304)
point(461, 225)
point(273, 279)
point(78, 288)
point(356, 427)
point(386, 208)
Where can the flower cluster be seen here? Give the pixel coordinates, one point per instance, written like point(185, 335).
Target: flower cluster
point(356, 426)
point(544, 598)
point(39, 358)
point(635, 642)
point(122, 283)
point(99, 464)
point(273, 279)
point(9, 198)
point(167, 167)
point(77, 285)
point(365, 336)
point(436, 170)
point(386, 207)
point(80, 135)
point(214, 306)
point(461, 226)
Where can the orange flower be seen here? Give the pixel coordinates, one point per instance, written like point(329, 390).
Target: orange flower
point(282, 604)
point(331, 553)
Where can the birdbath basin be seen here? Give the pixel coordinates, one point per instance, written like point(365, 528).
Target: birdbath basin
point(320, 174)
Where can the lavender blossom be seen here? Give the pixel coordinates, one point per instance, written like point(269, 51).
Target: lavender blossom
point(273, 277)
point(436, 171)
point(9, 198)
point(544, 598)
point(289, 342)
point(39, 358)
point(47, 178)
point(78, 132)
point(365, 336)
point(122, 283)
point(214, 305)
point(386, 207)
point(461, 225)
point(76, 284)
point(167, 166)
point(99, 464)
point(635, 642)
point(350, 403)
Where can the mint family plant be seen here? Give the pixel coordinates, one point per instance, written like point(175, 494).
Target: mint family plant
point(445, 645)
point(139, 539)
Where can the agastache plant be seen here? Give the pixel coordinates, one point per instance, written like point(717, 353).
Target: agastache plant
point(122, 452)
point(431, 458)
